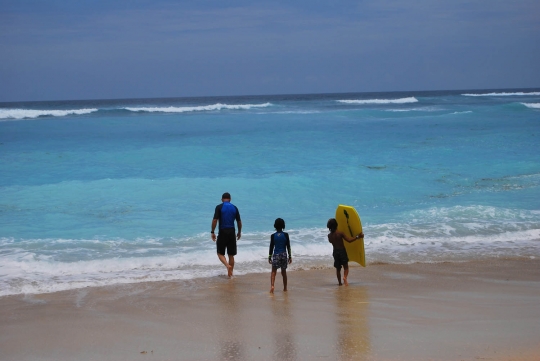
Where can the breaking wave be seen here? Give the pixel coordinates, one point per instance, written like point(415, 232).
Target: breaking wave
point(380, 101)
point(452, 234)
point(35, 113)
point(212, 107)
point(532, 105)
point(501, 94)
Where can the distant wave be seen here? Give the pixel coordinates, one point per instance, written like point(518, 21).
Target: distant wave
point(212, 107)
point(500, 94)
point(34, 113)
point(16, 114)
point(423, 109)
point(298, 112)
point(532, 105)
point(380, 101)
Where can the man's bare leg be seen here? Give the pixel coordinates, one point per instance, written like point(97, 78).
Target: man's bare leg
point(345, 275)
point(224, 261)
point(284, 274)
point(231, 263)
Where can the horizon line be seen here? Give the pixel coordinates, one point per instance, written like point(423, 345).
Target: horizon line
point(267, 95)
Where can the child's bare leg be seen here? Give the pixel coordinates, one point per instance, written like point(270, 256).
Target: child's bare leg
point(284, 274)
point(345, 274)
point(231, 263)
point(224, 261)
point(273, 279)
point(338, 274)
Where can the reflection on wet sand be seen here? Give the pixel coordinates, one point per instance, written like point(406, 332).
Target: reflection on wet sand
point(283, 332)
point(230, 343)
point(352, 307)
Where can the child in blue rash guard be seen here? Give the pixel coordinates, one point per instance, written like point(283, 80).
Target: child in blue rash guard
point(277, 255)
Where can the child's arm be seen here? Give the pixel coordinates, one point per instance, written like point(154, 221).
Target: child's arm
point(271, 250)
point(351, 239)
point(288, 244)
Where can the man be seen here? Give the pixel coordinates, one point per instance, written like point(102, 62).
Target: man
point(226, 213)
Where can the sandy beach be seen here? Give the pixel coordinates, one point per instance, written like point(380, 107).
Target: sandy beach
point(481, 310)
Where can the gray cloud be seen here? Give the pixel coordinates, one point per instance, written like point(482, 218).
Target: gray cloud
point(202, 48)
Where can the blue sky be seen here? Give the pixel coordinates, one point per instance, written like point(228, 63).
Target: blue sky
point(54, 50)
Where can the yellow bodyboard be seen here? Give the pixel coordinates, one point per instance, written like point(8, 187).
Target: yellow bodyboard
point(349, 223)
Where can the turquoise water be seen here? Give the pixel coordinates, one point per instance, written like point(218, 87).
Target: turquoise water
point(116, 191)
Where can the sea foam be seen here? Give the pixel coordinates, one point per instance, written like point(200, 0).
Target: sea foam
point(212, 107)
point(532, 105)
point(35, 113)
point(380, 101)
point(432, 235)
point(503, 94)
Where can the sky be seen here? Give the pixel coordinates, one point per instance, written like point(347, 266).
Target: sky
point(109, 49)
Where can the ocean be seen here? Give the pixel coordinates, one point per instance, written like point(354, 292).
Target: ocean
point(105, 192)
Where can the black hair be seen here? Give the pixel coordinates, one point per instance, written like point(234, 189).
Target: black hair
point(332, 224)
point(226, 195)
point(279, 223)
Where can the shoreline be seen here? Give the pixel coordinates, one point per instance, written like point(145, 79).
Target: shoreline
point(422, 311)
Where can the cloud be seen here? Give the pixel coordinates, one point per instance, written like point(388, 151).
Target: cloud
point(241, 47)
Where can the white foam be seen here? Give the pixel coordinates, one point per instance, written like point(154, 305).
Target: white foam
point(500, 94)
point(298, 112)
point(412, 248)
point(35, 113)
point(380, 101)
point(212, 107)
point(430, 235)
point(532, 105)
point(423, 109)
point(407, 110)
point(26, 272)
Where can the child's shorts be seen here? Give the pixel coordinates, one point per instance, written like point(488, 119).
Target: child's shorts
point(340, 258)
point(280, 260)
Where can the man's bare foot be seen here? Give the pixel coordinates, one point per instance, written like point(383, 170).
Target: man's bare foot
point(285, 289)
point(345, 282)
point(272, 289)
point(229, 271)
point(340, 284)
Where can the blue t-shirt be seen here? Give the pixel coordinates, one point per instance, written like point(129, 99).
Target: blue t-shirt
point(226, 213)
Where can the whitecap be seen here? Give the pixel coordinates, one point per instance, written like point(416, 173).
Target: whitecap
point(532, 105)
point(379, 101)
point(212, 107)
point(424, 109)
point(504, 94)
point(34, 113)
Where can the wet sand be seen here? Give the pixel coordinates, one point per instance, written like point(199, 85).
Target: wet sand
point(482, 310)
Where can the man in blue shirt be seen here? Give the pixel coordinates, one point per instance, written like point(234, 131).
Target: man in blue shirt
point(226, 213)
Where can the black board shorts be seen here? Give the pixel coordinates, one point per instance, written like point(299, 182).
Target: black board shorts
point(340, 258)
point(226, 239)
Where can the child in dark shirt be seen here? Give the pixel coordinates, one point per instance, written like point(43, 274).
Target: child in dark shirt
point(340, 254)
point(277, 255)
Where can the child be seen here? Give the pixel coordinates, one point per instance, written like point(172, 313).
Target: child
point(340, 254)
point(279, 246)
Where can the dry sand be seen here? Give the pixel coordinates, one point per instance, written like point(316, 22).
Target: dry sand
point(483, 310)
